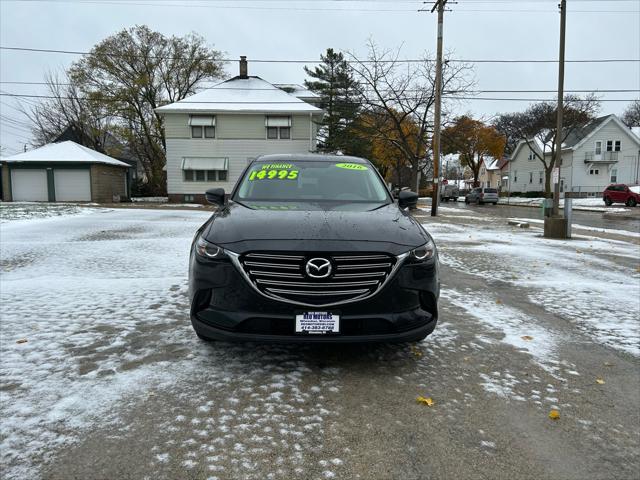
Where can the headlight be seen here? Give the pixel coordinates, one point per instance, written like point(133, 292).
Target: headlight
point(423, 253)
point(208, 250)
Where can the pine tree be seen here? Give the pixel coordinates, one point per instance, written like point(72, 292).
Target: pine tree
point(333, 81)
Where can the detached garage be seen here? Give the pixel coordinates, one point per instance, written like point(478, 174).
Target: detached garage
point(64, 172)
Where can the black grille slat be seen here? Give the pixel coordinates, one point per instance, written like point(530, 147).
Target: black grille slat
point(283, 277)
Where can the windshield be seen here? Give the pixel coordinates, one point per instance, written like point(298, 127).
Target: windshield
point(312, 181)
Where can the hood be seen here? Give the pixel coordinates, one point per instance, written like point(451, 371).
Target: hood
point(239, 224)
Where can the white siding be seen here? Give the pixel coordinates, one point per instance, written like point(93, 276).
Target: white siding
point(521, 169)
point(237, 151)
point(627, 166)
point(236, 127)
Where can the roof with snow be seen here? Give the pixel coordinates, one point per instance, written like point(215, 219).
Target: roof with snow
point(297, 90)
point(245, 95)
point(63, 152)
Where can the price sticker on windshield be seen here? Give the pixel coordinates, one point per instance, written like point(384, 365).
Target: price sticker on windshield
point(351, 166)
point(274, 174)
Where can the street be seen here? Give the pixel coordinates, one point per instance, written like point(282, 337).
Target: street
point(102, 376)
point(628, 220)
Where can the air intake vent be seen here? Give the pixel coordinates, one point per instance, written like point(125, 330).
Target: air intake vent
point(317, 279)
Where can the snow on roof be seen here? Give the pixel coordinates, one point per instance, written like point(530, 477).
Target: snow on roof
point(251, 94)
point(297, 90)
point(64, 152)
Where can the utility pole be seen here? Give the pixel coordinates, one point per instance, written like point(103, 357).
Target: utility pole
point(558, 163)
point(437, 110)
point(555, 226)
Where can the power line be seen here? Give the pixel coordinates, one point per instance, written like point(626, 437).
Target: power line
point(416, 60)
point(186, 102)
point(596, 90)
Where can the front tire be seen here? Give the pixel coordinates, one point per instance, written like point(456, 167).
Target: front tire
point(607, 201)
point(631, 202)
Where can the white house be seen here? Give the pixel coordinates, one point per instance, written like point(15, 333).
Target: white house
point(212, 135)
point(604, 151)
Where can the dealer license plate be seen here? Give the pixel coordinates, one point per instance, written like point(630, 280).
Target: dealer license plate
point(317, 323)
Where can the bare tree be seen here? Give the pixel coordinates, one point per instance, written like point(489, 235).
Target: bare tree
point(115, 89)
point(397, 100)
point(66, 108)
point(631, 116)
point(537, 127)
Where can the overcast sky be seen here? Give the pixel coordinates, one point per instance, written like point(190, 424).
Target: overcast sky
point(266, 29)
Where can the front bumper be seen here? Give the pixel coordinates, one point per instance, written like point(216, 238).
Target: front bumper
point(225, 307)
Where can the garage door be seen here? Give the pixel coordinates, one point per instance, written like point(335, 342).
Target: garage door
point(29, 185)
point(72, 185)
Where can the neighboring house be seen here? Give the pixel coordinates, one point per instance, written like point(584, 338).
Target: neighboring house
point(300, 92)
point(490, 173)
point(63, 172)
point(109, 145)
point(212, 135)
point(602, 152)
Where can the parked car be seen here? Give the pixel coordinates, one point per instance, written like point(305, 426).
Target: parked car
point(481, 195)
point(449, 192)
point(313, 248)
point(620, 193)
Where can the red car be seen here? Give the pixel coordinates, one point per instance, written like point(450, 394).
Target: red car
point(620, 193)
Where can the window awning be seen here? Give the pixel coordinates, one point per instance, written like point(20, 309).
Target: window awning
point(277, 121)
point(202, 121)
point(204, 163)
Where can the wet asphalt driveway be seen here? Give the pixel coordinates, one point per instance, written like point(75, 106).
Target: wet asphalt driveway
point(101, 376)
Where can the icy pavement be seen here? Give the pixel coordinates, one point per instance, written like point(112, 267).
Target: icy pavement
point(111, 382)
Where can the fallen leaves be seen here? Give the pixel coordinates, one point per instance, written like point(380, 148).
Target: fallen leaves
point(554, 414)
point(499, 302)
point(22, 340)
point(428, 401)
point(527, 338)
point(416, 351)
point(599, 381)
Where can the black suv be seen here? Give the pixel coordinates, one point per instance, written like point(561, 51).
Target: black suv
point(312, 248)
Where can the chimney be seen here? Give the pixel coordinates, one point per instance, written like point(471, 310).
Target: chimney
point(243, 67)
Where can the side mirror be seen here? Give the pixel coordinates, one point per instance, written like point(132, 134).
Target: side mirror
point(215, 196)
point(407, 198)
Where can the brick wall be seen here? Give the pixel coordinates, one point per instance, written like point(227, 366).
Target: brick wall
point(106, 182)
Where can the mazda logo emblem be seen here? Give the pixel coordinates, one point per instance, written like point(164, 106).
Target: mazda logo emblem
point(318, 268)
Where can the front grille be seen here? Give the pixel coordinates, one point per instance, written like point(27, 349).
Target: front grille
point(284, 277)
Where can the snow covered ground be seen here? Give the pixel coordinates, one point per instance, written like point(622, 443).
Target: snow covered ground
point(595, 204)
point(592, 283)
point(101, 375)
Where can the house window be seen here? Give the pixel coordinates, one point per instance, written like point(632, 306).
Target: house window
point(594, 171)
point(198, 130)
point(272, 133)
point(278, 127)
point(532, 156)
point(189, 198)
point(598, 148)
point(530, 177)
point(609, 146)
point(541, 177)
point(515, 176)
point(616, 147)
point(614, 175)
point(205, 175)
point(200, 169)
